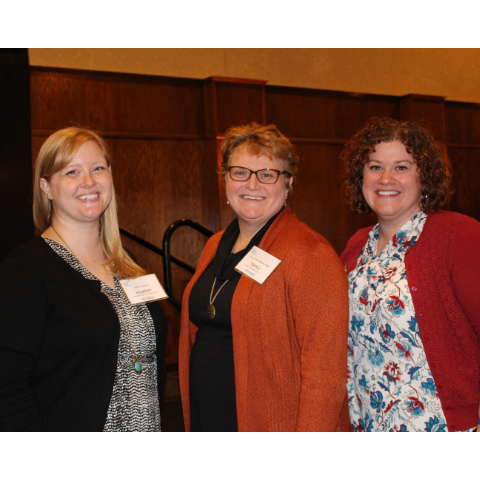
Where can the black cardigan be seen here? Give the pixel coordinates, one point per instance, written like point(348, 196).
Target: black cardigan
point(59, 340)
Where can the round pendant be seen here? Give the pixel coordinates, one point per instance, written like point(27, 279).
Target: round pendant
point(210, 311)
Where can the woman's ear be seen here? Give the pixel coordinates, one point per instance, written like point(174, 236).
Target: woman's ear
point(45, 186)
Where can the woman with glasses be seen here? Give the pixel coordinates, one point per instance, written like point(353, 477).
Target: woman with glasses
point(266, 350)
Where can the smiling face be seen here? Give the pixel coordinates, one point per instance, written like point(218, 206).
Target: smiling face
point(82, 190)
point(391, 184)
point(254, 202)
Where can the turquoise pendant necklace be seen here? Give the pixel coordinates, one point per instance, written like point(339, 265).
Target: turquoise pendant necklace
point(137, 365)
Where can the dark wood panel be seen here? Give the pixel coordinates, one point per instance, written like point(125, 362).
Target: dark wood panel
point(462, 121)
point(116, 102)
point(308, 113)
point(318, 200)
point(427, 110)
point(213, 185)
point(37, 142)
point(239, 104)
point(158, 183)
point(466, 178)
point(157, 180)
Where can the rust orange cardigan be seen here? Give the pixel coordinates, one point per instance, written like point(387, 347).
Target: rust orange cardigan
point(289, 335)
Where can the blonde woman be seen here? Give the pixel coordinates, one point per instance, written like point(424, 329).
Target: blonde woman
point(77, 355)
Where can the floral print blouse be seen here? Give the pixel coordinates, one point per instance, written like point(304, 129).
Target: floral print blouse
point(390, 386)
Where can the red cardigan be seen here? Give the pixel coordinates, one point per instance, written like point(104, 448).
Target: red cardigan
point(289, 335)
point(443, 270)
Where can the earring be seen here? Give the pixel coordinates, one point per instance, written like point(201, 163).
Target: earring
point(285, 203)
point(228, 203)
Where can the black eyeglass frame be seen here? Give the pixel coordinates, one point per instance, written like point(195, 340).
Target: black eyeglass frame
point(256, 174)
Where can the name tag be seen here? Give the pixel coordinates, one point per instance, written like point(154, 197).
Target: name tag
point(143, 289)
point(257, 264)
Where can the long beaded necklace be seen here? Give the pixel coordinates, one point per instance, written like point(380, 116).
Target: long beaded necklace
point(137, 365)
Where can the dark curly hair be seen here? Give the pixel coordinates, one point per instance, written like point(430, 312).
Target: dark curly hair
point(434, 168)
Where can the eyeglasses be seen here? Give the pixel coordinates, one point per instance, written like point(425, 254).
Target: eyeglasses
point(265, 175)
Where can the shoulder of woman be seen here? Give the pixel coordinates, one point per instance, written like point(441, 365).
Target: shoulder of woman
point(306, 246)
point(360, 236)
point(310, 261)
point(214, 240)
point(455, 220)
point(356, 242)
point(22, 271)
point(302, 238)
point(211, 246)
point(29, 252)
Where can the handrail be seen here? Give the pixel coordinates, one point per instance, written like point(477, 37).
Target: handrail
point(165, 253)
point(167, 268)
point(155, 249)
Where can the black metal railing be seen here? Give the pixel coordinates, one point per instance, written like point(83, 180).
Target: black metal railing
point(167, 268)
point(168, 259)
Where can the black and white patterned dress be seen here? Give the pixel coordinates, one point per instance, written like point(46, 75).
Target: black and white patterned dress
point(134, 406)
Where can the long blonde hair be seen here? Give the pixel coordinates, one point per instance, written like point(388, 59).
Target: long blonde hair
point(57, 151)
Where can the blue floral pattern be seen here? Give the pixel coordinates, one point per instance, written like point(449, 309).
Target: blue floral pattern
point(390, 385)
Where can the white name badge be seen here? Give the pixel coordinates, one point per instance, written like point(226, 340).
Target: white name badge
point(143, 289)
point(257, 264)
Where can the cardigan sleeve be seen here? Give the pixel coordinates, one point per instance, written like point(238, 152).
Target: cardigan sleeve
point(319, 301)
point(22, 326)
point(465, 270)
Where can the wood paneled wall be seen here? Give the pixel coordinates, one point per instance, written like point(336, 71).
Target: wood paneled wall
point(165, 135)
point(462, 124)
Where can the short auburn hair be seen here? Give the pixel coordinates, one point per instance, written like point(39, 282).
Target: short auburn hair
point(433, 167)
point(258, 139)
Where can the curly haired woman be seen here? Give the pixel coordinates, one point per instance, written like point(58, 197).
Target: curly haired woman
point(414, 351)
